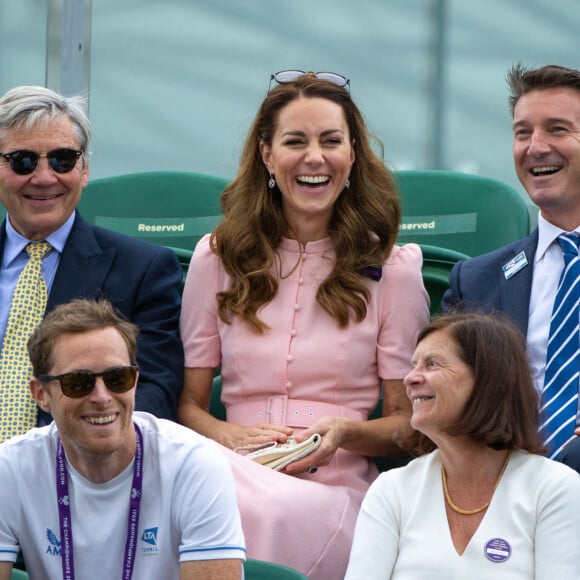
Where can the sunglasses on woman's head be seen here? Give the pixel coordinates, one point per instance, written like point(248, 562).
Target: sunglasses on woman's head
point(80, 383)
point(24, 162)
point(289, 76)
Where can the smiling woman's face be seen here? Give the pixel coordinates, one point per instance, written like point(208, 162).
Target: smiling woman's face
point(310, 157)
point(439, 384)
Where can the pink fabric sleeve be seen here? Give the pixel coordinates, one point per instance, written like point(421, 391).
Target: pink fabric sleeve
point(405, 311)
point(199, 320)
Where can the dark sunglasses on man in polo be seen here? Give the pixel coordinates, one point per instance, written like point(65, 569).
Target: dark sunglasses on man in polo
point(24, 162)
point(76, 384)
point(290, 76)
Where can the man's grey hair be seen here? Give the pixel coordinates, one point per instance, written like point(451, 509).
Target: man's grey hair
point(28, 106)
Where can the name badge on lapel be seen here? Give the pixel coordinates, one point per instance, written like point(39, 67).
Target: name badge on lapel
point(514, 265)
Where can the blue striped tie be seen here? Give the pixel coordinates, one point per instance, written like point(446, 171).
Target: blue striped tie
point(560, 393)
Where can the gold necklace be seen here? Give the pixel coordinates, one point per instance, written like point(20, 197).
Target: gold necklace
point(483, 507)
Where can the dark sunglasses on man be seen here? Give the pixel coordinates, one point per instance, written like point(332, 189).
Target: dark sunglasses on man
point(76, 384)
point(24, 162)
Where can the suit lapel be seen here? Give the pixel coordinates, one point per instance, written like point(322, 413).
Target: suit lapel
point(515, 293)
point(83, 266)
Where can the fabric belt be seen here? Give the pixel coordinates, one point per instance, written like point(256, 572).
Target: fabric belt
point(280, 410)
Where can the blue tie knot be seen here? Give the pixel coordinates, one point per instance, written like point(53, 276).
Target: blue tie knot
point(569, 244)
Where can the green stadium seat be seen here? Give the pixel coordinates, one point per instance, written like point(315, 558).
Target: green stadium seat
point(216, 407)
point(437, 264)
point(261, 570)
point(184, 257)
point(459, 211)
point(170, 208)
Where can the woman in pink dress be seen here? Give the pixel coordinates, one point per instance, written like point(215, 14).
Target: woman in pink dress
point(306, 306)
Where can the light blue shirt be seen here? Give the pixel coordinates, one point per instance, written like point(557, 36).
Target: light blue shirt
point(15, 258)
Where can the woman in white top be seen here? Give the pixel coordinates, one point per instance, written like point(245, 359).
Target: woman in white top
point(479, 504)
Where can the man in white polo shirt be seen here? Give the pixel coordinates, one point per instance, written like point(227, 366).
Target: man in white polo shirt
point(105, 491)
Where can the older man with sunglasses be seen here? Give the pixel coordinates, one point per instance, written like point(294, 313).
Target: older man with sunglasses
point(156, 498)
point(44, 166)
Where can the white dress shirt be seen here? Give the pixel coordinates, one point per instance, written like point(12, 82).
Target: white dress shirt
point(548, 265)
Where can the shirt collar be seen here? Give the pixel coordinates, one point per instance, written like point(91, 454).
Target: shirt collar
point(15, 242)
point(547, 234)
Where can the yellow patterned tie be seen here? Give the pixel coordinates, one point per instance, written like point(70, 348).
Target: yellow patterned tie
point(17, 407)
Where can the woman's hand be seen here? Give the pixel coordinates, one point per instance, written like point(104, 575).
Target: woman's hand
point(193, 412)
point(388, 436)
point(331, 430)
point(241, 436)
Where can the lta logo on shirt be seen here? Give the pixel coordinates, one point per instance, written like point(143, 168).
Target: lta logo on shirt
point(54, 545)
point(149, 537)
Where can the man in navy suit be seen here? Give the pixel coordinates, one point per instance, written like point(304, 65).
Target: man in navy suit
point(44, 166)
point(520, 279)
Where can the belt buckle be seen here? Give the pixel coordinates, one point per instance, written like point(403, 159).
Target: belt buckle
point(277, 409)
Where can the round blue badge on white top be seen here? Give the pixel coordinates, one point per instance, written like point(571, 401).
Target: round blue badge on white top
point(497, 550)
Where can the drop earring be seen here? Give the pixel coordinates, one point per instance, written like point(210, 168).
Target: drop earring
point(347, 183)
point(271, 182)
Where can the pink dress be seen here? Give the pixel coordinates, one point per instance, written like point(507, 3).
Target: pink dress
point(304, 368)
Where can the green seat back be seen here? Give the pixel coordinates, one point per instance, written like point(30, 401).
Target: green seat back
point(260, 570)
point(467, 213)
point(216, 407)
point(170, 208)
point(18, 574)
point(437, 264)
point(184, 257)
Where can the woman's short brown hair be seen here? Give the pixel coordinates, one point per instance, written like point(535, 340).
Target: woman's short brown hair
point(502, 411)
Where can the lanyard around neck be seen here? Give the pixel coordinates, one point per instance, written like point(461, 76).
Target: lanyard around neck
point(64, 511)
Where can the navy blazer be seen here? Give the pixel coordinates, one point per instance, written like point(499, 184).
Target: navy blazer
point(142, 281)
point(479, 284)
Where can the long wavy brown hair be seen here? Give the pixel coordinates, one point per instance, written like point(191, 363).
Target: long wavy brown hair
point(363, 226)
